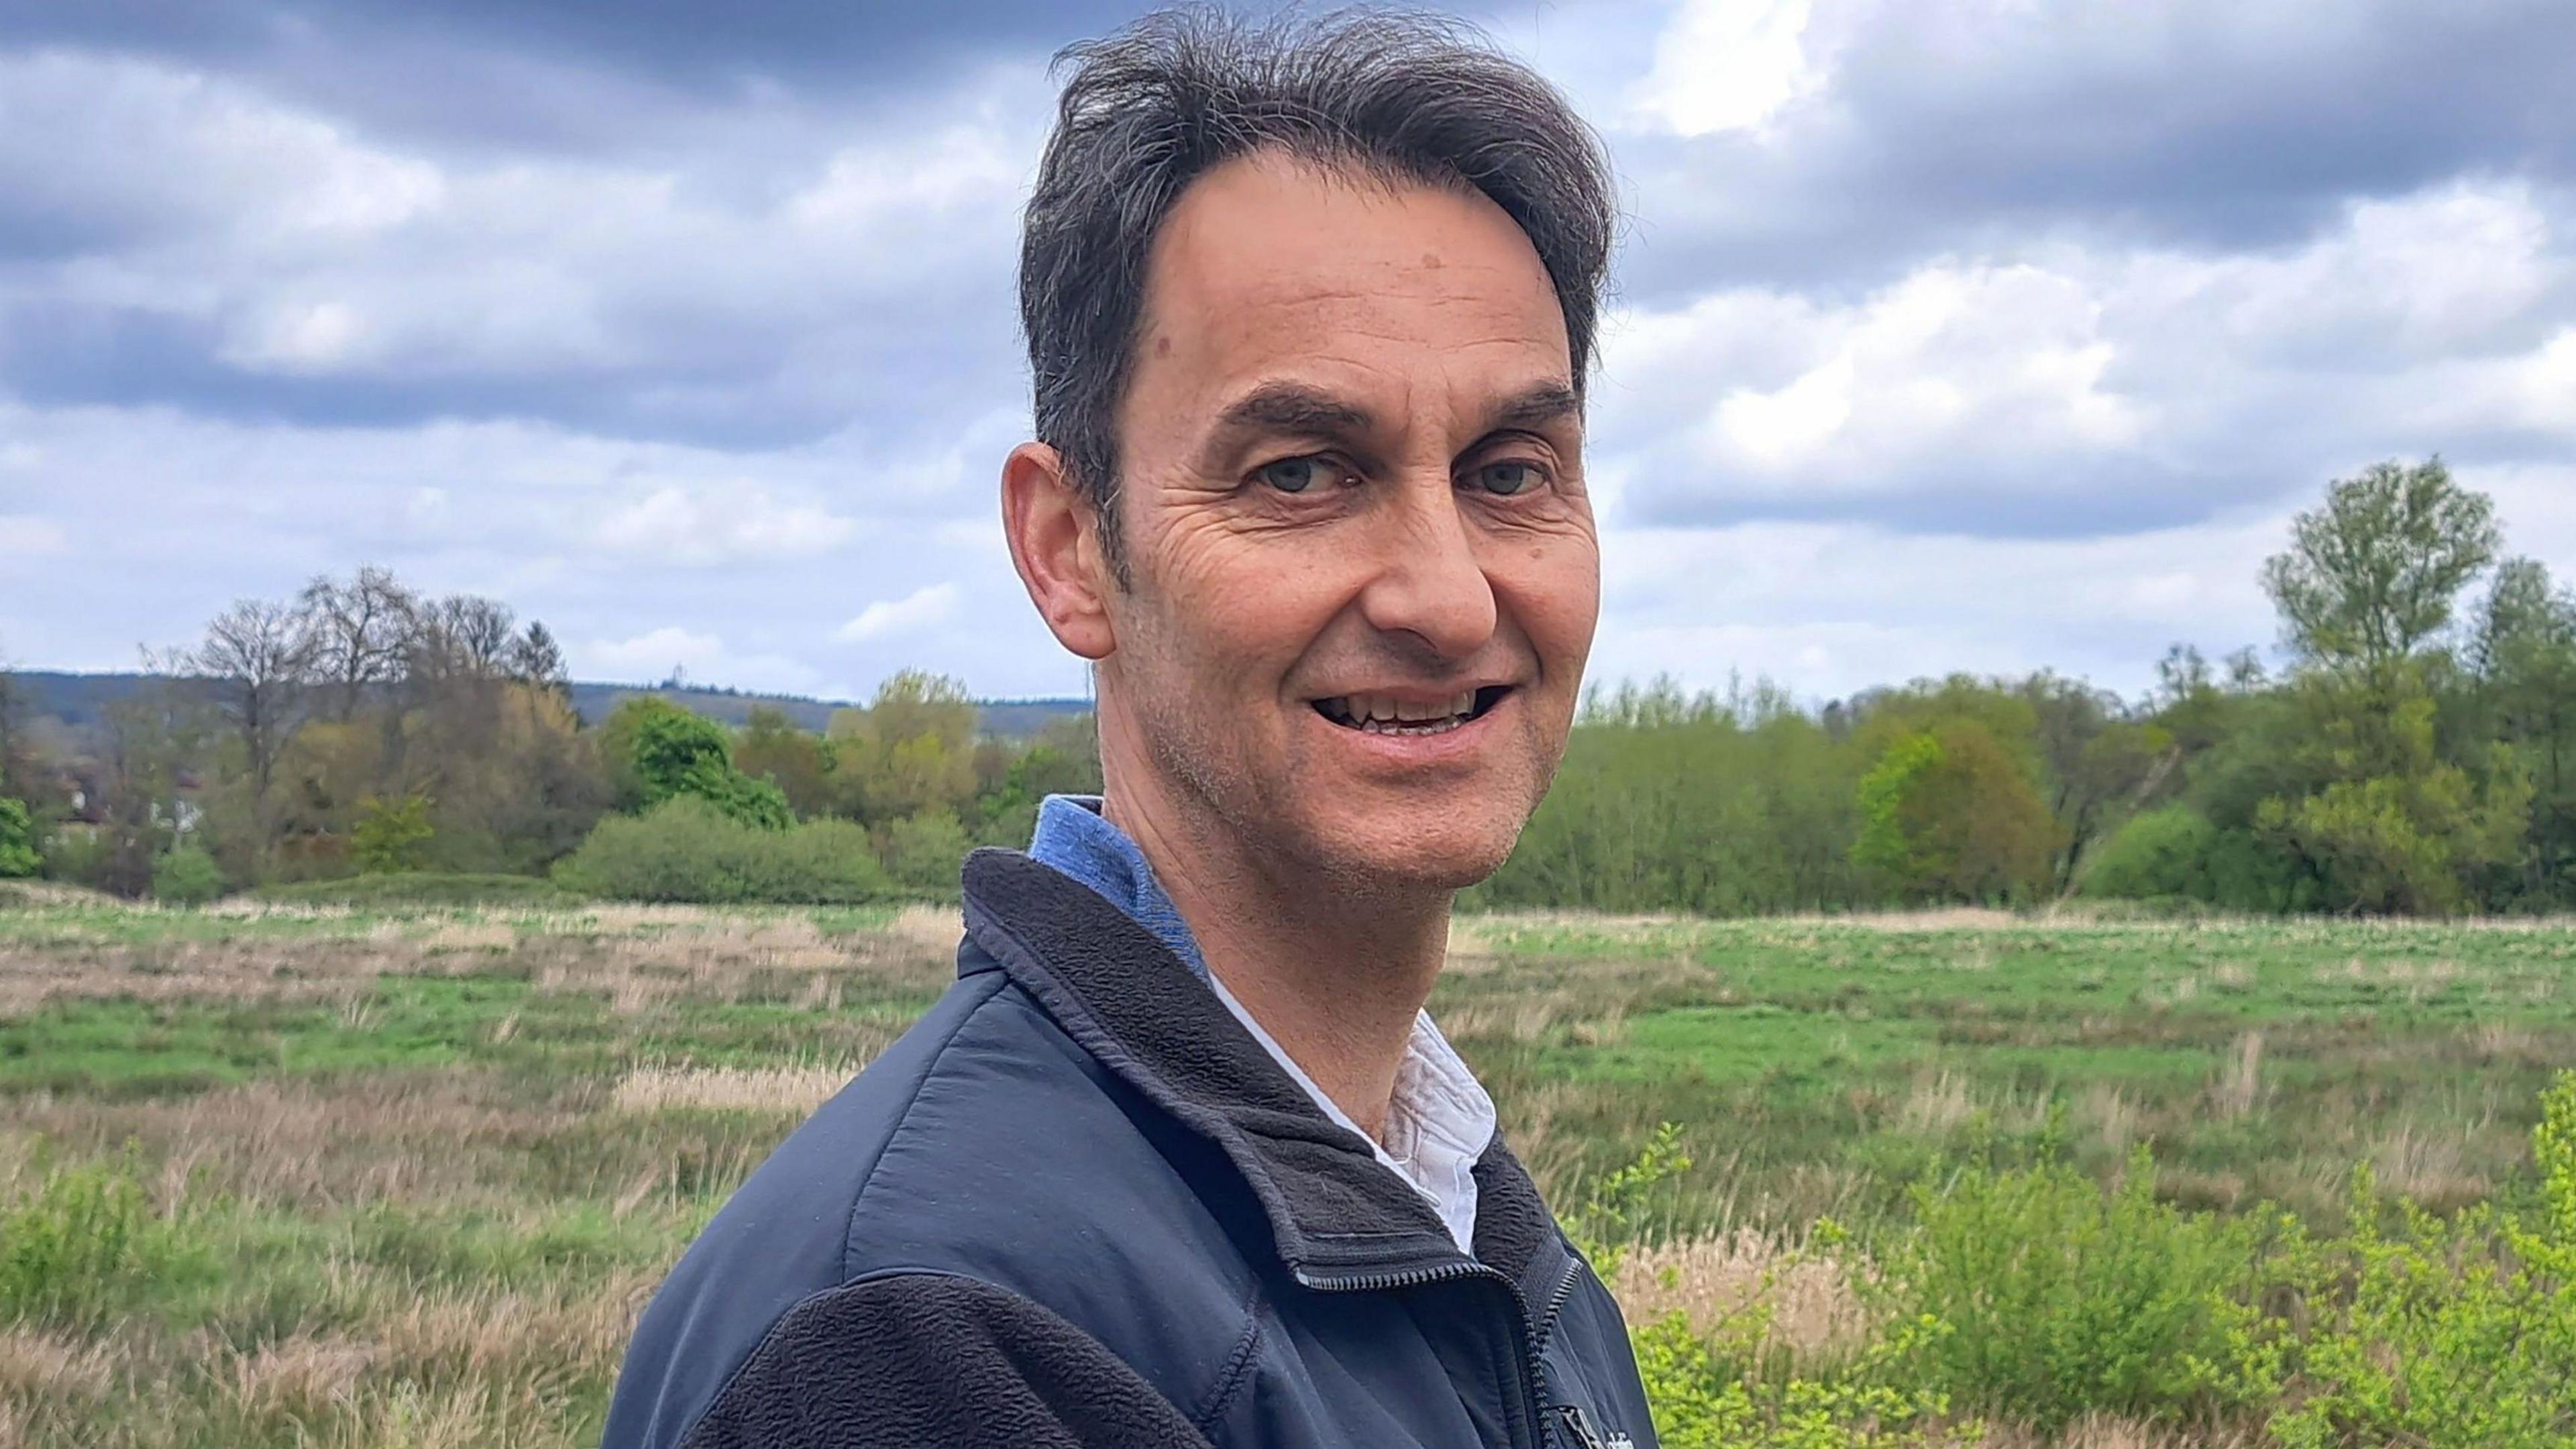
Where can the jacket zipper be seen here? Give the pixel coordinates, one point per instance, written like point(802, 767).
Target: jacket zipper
point(1532, 1334)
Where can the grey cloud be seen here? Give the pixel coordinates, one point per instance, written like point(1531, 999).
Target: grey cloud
point(592, 76)
point(2205, 123)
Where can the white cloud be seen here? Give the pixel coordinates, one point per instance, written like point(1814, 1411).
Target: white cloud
point(1727, 65)
point(2084, 383)
point(1954, 361)
point(921, 609)
point(721, 524)
point(702, 657)
point(1830, 608)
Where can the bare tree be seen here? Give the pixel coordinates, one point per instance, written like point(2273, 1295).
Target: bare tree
point(359, 631)
point(258, 657)
point(461, 637)
point(536, 660)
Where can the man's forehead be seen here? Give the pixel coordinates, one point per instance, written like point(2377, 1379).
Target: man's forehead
point(1291, 291)
point(1265, 233)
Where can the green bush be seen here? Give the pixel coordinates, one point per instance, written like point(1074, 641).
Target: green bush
point(686, 849)
point(18, 857)
point(425, 888)
point(392, 835)
point(1702, 1402)
point(2060, 1299)
point(83, 1246)
point(678, 754)
point(2456, 1334)
point(923, 851)
point(185, 875)
point(2160, 855)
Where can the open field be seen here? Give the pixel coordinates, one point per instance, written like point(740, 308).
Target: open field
point(403, 1179)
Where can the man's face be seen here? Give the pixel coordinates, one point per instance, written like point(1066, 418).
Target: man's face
point(1364, 572)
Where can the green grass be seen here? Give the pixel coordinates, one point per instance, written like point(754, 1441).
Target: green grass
point(402, 1138)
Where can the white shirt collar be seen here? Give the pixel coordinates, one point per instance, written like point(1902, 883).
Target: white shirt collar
point(1438, 1124)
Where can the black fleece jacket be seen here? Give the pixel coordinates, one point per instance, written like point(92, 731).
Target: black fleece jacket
point(1078, 1205)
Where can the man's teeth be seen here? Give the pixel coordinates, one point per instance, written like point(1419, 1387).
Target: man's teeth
point(1385, 714)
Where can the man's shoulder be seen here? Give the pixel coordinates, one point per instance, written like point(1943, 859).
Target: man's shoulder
point(985, 1144)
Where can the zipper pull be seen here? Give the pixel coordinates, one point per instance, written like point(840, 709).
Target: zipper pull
point(1578, 1426)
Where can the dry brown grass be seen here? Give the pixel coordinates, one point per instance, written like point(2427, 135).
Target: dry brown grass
point(300, 1377)
point(734, 1089)
point(2429, 1168)
point(40, 1366)
point(396, 1137)
point(638, 957)
point(2102, 1432)
point(2240, 1083)
point(1813, 1310)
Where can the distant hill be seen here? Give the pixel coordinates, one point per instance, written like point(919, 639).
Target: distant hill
point(78, 700)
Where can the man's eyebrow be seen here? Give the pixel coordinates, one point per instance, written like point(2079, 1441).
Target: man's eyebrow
point(1291, 407)
point(1536, 407)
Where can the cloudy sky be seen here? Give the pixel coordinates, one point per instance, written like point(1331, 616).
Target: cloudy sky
point(1951, 334)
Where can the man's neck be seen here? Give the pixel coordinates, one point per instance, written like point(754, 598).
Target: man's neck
point(1336, 976)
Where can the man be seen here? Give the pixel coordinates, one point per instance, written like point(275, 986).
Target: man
point(1179, 1160)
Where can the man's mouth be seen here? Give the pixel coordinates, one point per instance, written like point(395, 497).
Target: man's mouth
point(1386, 714)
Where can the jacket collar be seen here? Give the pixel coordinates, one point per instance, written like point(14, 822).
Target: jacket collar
point(1125, 998)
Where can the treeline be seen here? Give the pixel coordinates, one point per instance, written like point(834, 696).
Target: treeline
point(364, 727)
point(2413, 755)
point(2417, 754)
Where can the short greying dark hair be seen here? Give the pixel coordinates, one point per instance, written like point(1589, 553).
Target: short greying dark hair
point(1148, 110)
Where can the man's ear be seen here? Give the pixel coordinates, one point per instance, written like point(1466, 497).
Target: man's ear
point(1053, 531)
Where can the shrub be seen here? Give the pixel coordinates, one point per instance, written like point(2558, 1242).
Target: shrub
point(1695, 1379)
point(686, 849)
point(18, 858)
point(2455, 1335)
point(1701, 1403)
point(923, 851)
point(392, 835)
point(2160, 855)
point(2061, 1299)
point(185, 875)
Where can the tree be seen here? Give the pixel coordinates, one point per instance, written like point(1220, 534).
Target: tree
point(681, 753)
point(911, 749)
point(537, 661)
point(1950, 815)
point(2374, 574)
point(149, 741)
point(360, 631)
point(799, 762)
point(2101, 765)
point(2524, 652)
point(2380, 821)
point(16, 766)
point(259, 656)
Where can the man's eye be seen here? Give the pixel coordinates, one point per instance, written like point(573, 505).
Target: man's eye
point(1296, 475)
point(1507, 479)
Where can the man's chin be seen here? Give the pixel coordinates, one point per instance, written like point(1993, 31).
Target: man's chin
point(1394, 853)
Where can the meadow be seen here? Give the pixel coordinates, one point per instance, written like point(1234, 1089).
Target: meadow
point(304, 1175)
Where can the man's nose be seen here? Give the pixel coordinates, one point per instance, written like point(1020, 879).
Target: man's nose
point(1430, 580)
